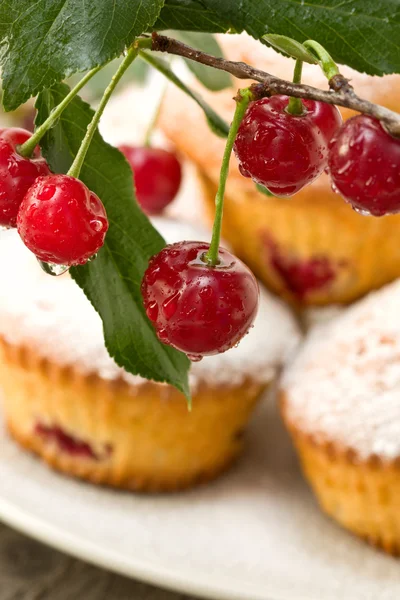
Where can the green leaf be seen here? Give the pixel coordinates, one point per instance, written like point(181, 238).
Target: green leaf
point(290, 47)
point(213, 79)
point(215, 122)
point(364, 34)
point(112, 280)
point(43, 42)
point(189, 15)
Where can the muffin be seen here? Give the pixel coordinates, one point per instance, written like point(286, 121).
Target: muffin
point(340, 402)
point(65, 399)
point(312, 248)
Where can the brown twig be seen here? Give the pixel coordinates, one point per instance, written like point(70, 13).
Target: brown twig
point(341, 93)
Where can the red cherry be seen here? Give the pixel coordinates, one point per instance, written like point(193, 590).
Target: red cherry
point(364, 164)
point(157, 176)
point(327, 118)
point(17, 136)
point(62, 221)
point(196, 308)
point(281, 151)
point(17, 173)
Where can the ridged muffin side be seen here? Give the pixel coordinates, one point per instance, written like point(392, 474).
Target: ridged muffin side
point(340, 401)
point(110, 432)
point(362, 495)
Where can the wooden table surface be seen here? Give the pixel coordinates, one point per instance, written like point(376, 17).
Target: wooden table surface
point(31, 571)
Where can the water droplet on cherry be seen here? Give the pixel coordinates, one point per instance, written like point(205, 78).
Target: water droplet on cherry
point(195, 357)
point(52, 268)
point(362, 211)
point(97, 225)
point(46, 192)
point(170, 305)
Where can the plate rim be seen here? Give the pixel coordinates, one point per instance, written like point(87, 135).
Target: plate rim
point(143, 571)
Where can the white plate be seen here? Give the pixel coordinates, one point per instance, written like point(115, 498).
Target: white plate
point(256, 534)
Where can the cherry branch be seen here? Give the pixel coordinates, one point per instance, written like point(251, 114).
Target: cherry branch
point(341, 92)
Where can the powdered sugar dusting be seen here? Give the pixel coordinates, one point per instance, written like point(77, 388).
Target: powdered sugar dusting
point(53, 316)
point(344, 385)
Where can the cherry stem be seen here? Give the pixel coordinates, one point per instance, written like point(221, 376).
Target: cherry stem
point(144, 43)
point(340, 94)
point(76, 166)
point(243, 98)
point(325, 60)
point(29, 146)
point(295, 106)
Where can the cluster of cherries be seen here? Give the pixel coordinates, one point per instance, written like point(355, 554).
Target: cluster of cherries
point(285, 152)
point(58, 218)
point(198, 307)
point(203, 310)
